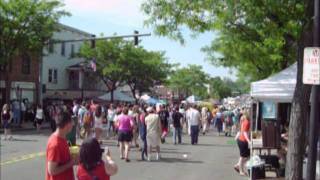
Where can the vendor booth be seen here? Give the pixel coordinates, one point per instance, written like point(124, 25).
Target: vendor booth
point(271, 108)
point(117, 96)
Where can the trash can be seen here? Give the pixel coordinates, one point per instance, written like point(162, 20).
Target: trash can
point(257, 166)
point(258, 172)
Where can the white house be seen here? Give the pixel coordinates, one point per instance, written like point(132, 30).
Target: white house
point(62, 72)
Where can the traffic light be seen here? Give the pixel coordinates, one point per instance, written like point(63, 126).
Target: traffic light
point(93, 41)
point(136, 38)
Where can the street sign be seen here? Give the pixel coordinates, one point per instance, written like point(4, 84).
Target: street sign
point(311, 66)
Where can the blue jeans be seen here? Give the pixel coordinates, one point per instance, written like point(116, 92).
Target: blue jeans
point(194, 134)
point(144, 151)
point(16, 116)
point(177, 132)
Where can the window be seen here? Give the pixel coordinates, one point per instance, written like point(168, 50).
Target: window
point(53, 76)
point(50, 75)
point(63, 49)
point(26, 60)
point(72, 51)
point(51, 47)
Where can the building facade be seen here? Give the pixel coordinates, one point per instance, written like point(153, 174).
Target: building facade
point(64, 75)
point(21, 81)
point(58, 74)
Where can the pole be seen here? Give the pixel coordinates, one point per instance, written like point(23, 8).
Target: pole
point(314, 117)
point(40, 94)
point(99, 38)
point(81, 83)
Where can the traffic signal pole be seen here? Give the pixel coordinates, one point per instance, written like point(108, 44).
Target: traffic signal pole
point(136, 35)
point(314, 116)
point(92, 39)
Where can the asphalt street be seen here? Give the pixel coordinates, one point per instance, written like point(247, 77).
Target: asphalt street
point(211, 159)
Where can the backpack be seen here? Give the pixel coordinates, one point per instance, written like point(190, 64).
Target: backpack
point(87, 118)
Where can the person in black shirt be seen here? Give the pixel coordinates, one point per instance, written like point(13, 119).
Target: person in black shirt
point(176, 117)
point(164, 116)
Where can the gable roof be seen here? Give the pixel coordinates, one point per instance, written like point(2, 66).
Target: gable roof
point(278, 87)
point(72, 29)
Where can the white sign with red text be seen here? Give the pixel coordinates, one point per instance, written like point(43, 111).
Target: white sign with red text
point(311, 66)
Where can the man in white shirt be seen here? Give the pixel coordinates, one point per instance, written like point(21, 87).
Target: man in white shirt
point(194, 120)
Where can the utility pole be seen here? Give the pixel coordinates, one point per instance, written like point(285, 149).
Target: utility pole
point(314, 116)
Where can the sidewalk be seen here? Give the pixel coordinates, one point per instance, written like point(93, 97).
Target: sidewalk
point(27, 126)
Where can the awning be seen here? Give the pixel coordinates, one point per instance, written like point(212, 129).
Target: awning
point(117, 96)
point(278, 88)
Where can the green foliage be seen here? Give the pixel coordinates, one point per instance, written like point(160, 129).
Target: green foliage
point(144, 69)
point(120, 62)
point(258, 38)
point(219, 89)
point(189, 80)
point(26, 25)
point(110, 60)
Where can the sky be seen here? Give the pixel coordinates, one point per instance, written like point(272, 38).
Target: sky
point(124, 16)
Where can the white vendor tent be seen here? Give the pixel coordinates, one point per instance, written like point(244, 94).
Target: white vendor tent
point(278, 87)
point(145, 97)
point(192, 99)
point(117, 96)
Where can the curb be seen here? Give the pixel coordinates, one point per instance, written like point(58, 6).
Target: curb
point(24, 129)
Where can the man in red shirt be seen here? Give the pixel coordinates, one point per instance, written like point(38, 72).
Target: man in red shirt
point(59, 163)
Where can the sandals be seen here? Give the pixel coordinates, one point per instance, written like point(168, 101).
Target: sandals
point(236, 168)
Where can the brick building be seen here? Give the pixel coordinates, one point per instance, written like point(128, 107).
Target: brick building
point(22, 78)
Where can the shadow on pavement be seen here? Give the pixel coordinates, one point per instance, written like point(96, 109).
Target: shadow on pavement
point(174, 152)
point(177, 160)
point(215, 145)
point(24, 140)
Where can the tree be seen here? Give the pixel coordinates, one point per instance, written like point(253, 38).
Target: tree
point(110, 61)
point(190, 80)
point(258, 38)
point(25, 27)
point(249, 32)
point(144, 69)
point(219, 89)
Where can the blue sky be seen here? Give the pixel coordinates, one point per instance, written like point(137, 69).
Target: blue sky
point(124, 16)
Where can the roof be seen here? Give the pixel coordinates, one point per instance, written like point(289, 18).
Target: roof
point(278, 87)
point(117, 96)
point(69, 28)
point(79, 66)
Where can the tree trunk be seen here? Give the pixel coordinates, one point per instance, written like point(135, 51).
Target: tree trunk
point(111, 94)
point(299, 114)
point(133, 91)
point(7, 85)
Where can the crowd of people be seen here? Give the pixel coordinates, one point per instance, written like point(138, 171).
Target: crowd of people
point(131, 126)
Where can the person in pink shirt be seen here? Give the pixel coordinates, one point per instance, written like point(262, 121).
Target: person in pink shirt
point(125, 127)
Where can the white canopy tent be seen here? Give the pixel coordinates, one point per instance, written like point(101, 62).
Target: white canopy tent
point(145, 97)
point(278, 87)
point(192, 99)
point(117, 96)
